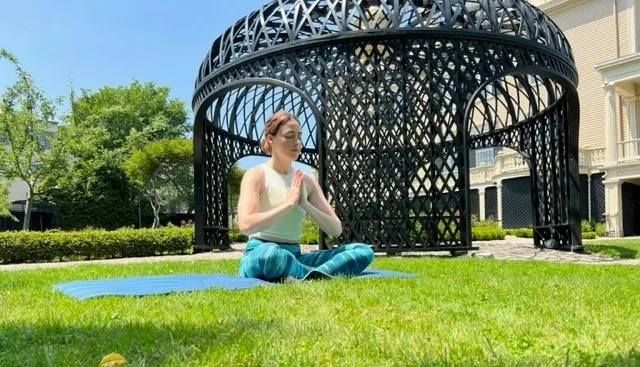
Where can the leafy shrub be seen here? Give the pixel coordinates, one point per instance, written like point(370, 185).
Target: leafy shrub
point(93, 244)
point(487, 233)
point(487, 230)
point(520, 232)
point(236, 236)
point(310, 232)
point(528, 232)
point(485, 223)
point(598, 228)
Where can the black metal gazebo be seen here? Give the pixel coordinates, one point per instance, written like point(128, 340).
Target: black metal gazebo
point(391, 97)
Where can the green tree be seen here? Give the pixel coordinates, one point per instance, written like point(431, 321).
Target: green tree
point(107, 126)
point(114, 122)
point(30, 147)
point(163, 171)
point(235, 178)
point(5, 205)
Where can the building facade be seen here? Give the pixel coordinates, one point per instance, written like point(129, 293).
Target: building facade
point(605, 38)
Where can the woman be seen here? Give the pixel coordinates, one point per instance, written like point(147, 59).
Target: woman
point(272, 205)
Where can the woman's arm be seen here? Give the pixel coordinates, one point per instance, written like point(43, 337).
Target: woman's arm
point(251, 221)
point(319, 209)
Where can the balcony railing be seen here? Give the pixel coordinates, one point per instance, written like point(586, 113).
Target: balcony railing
point(629, 150)
point(511, 163)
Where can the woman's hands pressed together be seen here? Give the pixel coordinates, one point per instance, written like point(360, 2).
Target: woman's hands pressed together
point(295, 191)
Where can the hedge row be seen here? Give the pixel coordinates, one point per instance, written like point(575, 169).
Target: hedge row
point(487, 233)
point(99, 244)
point(528, 233)
point(309, 236)
point(599, 229)
point(481, 231)
point(520, 232)
point(236, 236)
point(93, 244)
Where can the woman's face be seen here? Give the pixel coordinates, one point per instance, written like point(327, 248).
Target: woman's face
point(287, 142)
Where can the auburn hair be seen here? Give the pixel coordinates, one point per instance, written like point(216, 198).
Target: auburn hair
point(271, 128)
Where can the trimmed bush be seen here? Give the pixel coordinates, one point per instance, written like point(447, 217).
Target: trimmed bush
point(487, 230)
point(600, 229)
point(16, 247)
point(310, 232)
point(485, 223)
point(528, 233)
point(236, 236)
point(520, 232)
point(585, 226)
point(487, 233)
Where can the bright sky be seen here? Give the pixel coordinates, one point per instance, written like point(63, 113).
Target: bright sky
point(109, 43)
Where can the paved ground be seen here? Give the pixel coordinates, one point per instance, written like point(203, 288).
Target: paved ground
point(512, 248)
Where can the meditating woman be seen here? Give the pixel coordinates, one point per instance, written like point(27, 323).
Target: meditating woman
point(272, 205)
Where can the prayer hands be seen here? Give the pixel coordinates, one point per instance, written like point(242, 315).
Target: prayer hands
point(295, 191)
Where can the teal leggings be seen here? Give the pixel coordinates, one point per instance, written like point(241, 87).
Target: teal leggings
point(276, 261)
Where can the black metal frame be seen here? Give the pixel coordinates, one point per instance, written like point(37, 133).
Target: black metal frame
point(391, 96)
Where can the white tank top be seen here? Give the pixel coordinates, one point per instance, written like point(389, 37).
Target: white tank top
point(289, 227)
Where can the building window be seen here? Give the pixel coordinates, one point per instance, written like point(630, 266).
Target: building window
point(485, 157)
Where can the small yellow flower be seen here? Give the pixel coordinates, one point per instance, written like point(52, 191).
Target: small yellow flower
point(113, 360)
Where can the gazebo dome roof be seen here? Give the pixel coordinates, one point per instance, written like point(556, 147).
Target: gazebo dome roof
point(283, 23)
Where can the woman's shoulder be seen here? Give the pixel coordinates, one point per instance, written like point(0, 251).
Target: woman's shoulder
point(255, 170)
point(255, 175)
point(308, 178)
point(310, 182)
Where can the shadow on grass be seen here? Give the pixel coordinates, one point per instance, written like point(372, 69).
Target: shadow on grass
point(141, 344)
point(178, 344)
point(614, 251)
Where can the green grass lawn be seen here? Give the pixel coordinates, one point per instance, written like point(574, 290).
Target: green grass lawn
point(624, 249)
point(457, 312)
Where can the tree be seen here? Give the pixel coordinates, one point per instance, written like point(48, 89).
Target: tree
point(107, 126)
point(235, 178)
point(31, 148)
point(117, 121)
point(98, 197)
point(163, 171)
point(5, 205)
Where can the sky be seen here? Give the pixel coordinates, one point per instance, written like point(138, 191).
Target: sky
point(91, 44)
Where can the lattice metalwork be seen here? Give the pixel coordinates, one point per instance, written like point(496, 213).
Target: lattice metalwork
point(630, 209)
point(474, 203)
point(517, 211)
point(534, 115)
point(491, 203)
point(597, 197)
point(584, 197)
point(391, 96)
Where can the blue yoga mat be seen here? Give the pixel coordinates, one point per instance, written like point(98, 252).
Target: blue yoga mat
point(380, 273)
point(156, 285)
